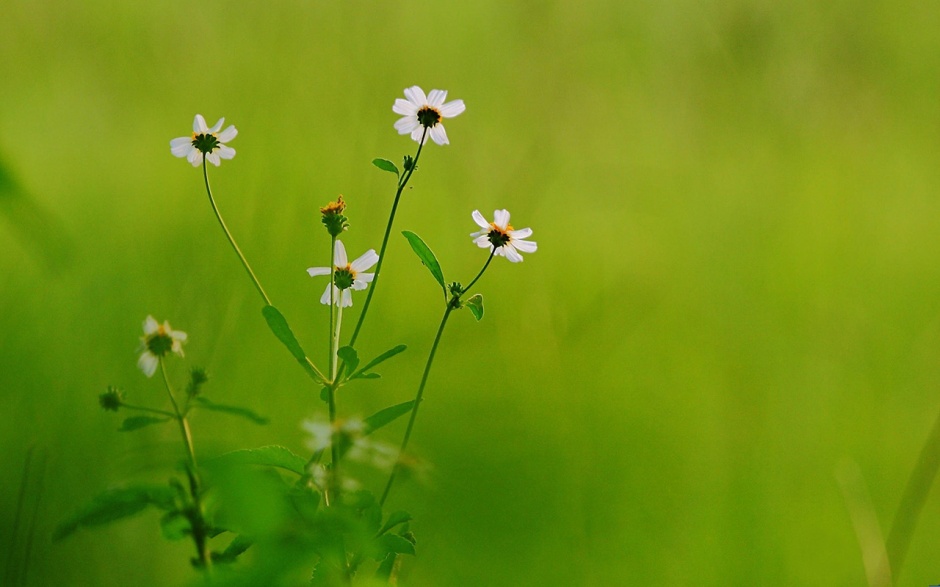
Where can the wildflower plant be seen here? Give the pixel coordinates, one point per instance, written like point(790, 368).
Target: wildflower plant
point(332, 528)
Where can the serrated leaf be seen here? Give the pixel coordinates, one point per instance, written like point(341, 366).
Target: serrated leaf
point(234, 410)
point(427, 257)
point(116, 504)
point(138, 422)
point(350, 357)
point(281, 329)
point(379, 359)
point(386, 416)
point(268, 456)
point(385, 165)
point(475, 303)
point(175, 526)
point(395, 519)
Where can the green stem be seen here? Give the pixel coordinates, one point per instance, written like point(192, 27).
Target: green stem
point(913, 500)
point(414, 408)
point(231, 240)
point(197, 521)
point(480, 274)
point(335, 325)
point(151, 410)
point(402, 182)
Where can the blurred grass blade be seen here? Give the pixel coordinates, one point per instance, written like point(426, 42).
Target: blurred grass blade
point(116, 504)
point(865, 522)
point(233, 410)
point(138, 422)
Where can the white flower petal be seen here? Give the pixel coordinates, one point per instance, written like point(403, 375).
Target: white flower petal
point(525, 246)
point(404, 107)
point(339, 254)
point(181, 146)
point(417, 133)
point(482, 241)
point(365, 261)
point(317, 271)
point(150, 325)
point(195, 157)
point(148, 363)
point(501, 218)
point(511, 253)
point(438, 135)
point(217, 126)
point(437, 97)
point(407, 124)
point(199, 125)
point(226, 152)
point(416, 96)
point(347, 298)
point(452, 109)
point(179, 335)
point(521, 233)
point(325, 298)
point(365, 277)
point(228, 134)
point(359, 285)
point(480, 220)
point(213, 158)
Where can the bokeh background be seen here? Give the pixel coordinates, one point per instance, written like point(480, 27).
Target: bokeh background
point(737, 286)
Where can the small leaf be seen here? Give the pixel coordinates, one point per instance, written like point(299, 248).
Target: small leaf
point(236, 547)
point(117, 504)
point(395, 519)
point(234, 410)
point(350, 357)
point(386, 416)
point(175, 526)
point(137, 422)
point(269, 456)
point(427, 257)
point(281, 329)
point(475, 303)
point(379, 359)
point(385, 165)
point(392, 543)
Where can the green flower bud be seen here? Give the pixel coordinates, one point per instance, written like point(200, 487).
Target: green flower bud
point(333, 218)
point(112, 399)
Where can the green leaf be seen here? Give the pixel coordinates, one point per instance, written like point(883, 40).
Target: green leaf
point(379, 359)
point(116, 504)
point(392, 543)
point(395, 519)
point(268, 456)
point(475, 303)
point(137, 422)
point(350, 357)
point(175, 526)
point(427, 257)
point(236, 547)
point(234, 410)
point(386, 416)
point(385, 165)
point(281, 329)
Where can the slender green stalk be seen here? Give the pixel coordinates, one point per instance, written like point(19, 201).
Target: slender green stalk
point(913, 500)
point(197, 519)
point(480, 274)
point(146, 409)
point(402, 182)
point(335, 324)
point(418, 397)
point(231, 240)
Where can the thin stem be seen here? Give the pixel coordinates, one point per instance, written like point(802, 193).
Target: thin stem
point(414, 408)
point(197, 519)
point(231, 240)
point(402, 182)
point(913, 499)
point(335, 323)
point(145, 409)
point(480, 274)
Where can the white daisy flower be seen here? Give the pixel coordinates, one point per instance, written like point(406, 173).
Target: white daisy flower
point(205, 141)
point(348, 275)
point(420, 112)
point(501, 236)
point(158, 340)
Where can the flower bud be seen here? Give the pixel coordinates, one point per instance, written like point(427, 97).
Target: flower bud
point(112, 399)
point(333, 218)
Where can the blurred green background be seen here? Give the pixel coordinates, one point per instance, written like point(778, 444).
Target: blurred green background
point(737, 285)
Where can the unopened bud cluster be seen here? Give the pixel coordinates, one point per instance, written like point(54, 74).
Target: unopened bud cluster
point(333, 218)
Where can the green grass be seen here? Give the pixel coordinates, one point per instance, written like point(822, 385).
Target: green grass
point(736, 288)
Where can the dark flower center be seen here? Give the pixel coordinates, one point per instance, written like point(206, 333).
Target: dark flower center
point(344, 277)
point(160, 344)
point(428, 116)
point(206, 142)
point(498, 238)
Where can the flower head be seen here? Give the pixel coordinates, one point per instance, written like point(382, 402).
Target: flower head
point(346, 275)
point(333, 218)
point(205, 141)
point(501, 237)
point(422, 115)
point(158, 341)
point(112, 399)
